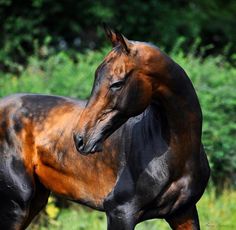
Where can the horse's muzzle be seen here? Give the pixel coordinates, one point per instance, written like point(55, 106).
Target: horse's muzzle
point(85, 149)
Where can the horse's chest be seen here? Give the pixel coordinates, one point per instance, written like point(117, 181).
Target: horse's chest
point(153, 177)
point(141, 183)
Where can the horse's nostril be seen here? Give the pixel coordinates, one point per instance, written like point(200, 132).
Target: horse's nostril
point(78, 139)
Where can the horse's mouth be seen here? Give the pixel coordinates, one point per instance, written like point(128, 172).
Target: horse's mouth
point(90, 148)
point(95, 141)
point(97, 147)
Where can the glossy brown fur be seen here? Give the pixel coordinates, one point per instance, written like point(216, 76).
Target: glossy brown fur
point(40, 133)
point(46, 148)
point(69, 178)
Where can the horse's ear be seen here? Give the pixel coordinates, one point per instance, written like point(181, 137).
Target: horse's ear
point(123, 41)
point(111, 35)
point(116, 38)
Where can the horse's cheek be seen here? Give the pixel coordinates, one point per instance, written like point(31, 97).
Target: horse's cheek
point(137, 99)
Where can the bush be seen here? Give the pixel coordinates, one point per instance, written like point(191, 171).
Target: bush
point(58, 74)
point(77, 24)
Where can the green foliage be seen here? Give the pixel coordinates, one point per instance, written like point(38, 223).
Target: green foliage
point(58, 74)
point(77, 24)
point(214, 213)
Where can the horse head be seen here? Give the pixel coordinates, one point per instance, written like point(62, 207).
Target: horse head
point(123, 88)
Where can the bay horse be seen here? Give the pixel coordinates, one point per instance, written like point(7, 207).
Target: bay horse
point(132, 150)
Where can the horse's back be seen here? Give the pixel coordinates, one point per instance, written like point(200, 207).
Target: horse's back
point(21, 114)
point(36, 102)
point(17, 109)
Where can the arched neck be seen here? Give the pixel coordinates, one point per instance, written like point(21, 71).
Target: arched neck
point(178, 102)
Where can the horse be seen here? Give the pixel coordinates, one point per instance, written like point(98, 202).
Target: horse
point(133, 150)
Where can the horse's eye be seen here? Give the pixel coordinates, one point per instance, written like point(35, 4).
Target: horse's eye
point(116, 85)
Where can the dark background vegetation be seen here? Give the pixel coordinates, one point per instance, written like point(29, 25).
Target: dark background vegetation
point(75, 25)
point(54, 47)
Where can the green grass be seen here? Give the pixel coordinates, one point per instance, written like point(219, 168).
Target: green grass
point(215, 213)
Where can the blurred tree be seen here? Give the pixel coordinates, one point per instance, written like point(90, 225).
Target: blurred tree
point(70, 24)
